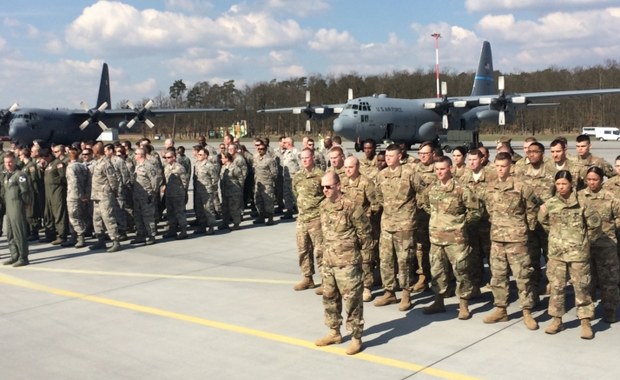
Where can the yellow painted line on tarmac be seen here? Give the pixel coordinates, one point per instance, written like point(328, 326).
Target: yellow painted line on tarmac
point(13, 281)
point(159, 275)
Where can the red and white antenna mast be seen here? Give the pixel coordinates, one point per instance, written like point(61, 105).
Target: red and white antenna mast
point(437, 36)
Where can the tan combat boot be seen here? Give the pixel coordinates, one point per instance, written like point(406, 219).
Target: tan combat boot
point(498, 315)
point(319, 289)
point(555, 327)
point(609, 315)
point(354, 347)
point(306, 283)
point(420, 286)
point(529, 321)
point(436, 307)
point(387, 298)
point(332, 337)
point(405, 301)
point(464, 309)
point(586, 329)
point(367, 295)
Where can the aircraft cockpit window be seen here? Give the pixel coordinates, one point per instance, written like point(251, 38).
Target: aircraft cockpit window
point(355, 106)
point(348, 106)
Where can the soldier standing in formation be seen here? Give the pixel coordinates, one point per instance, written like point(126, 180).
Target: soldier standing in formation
point(145, 192)
point(78, 177)
point(231, 186)
point(265, 173)
point(17, 196)
point(174, 192)
point(346, 232)
point(205, 189)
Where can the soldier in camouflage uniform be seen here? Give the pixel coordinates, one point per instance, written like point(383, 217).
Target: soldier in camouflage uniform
point(585, 159)
point(35, 176)
point(396, 190)
point(145, 187)
point(104, 185)
point(560, 161)
point(603, 251)
point(174, 192)
point(17, 194)
point(336, 160)
point(478, 231)
point(231, 186)
point(124, 182)
point(346, 232)
point(511, 206)
point(205, 188)
point(572, 225)
point(78, 178)
point(425, 170)
point(241, 163)
point(533, 172)
point(290, 166)
point(450, 206)
point(308, 192)
point(361, 190)
point(319, 159)
point(265, 173)
point(613, 185)
point(368, 163)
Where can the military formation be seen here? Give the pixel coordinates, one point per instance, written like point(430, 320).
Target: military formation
point(379, 227)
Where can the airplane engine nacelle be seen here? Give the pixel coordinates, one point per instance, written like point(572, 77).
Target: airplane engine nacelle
point(487, 115)
point(427, 131)
point(122, 124)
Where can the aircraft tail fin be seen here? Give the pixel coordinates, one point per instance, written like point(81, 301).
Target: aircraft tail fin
point(483, 82)
point(104, 88)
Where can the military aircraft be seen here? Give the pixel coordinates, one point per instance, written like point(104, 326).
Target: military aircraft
point(417, 120)
point(24, 125)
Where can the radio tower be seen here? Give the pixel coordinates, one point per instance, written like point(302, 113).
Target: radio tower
point(437, 36)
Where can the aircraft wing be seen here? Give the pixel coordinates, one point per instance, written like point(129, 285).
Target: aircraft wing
point(333, 108)
point(164, 111)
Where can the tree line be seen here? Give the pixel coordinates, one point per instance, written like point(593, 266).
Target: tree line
point(567, 117)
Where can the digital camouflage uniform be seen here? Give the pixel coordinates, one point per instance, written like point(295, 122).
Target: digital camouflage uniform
point(104, 185)
point(541, 181)
point(309, 194)
point(396, 191)
point(290, 166)
point(176, 187)
point(206, 187)
point(603, 251)
point(55, 195)
point(362, 192)
point(426, 174)
point(511, 206)
point(17, 194)
point(572, 225)
point(35, 211)
point(124, 183)
point(583, 164)
point(265, 174)
point(569, 164)
point(478, 231)
point(450, 206)
point(346, 232)
point(367, 166)
point(145, 190)
point(78, 177)
point(231, 186)
point(613, 185)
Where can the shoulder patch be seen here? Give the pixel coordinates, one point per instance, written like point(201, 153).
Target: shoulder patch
point(21, 178)
point(59, 166)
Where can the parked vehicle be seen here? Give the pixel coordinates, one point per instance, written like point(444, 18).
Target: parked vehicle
point(602, 133)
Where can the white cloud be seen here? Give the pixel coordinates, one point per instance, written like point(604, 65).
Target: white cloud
point(199, 65)
point(299, 8)
point(54, 46)
point(288, 71)
point(494, 5)
point(332, 39)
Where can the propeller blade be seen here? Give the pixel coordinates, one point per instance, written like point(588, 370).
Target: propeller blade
point(485, 101)
point(444, 88)
point(14, 107)
point(460, 103)
point(444, 121)
point(149, 123)
point(84, 124)
point(149, 104)
point(518, 99)
point(84, 105)
point(307, 125)
point(131, 122)
point(502, 117)
point(350, 94)
point(307, 96)
point(102, 107)
point(130, 105)
point(297, 110)
point(500, 83)
point(319, 110)
point(430, 106)
point(102, 125)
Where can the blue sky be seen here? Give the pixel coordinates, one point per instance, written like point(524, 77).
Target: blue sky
point(51, 52)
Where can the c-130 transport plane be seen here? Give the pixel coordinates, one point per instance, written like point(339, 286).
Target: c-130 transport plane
point(414, 121)
point(24, 125)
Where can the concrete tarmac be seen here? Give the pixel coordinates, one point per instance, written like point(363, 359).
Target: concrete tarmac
point(223, 307)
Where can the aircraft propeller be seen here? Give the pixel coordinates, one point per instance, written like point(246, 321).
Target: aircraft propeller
point(5, 115)
point(94, 115)
point(140, 114)
point(502, 101)
point(443, 106)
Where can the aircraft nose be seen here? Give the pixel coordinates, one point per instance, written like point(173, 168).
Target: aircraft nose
point(338, 125)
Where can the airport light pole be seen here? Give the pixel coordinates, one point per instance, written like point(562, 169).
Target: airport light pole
point(437, 36)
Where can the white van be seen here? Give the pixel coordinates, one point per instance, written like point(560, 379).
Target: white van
point(602, 133)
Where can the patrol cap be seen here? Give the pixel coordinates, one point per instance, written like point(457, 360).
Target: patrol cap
point(504, 140)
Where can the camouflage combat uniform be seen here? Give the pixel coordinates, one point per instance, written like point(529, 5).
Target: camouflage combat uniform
point(572, 225)
point(231, 185)
point(145, 191)
point(55, 198)
point(206, 187)
point(345, 228)
point(309, 194)
point(603, 251)
point(176, 188)
point(511, 206)
point(426, 175)
point(290, 166)
point(583, 164)
point(362, 192)
point(104, 185)
point(265, 174)
point(78, 177)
